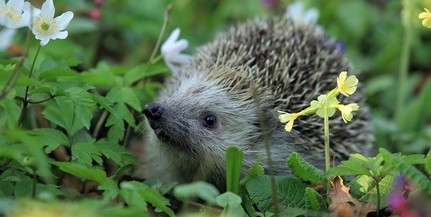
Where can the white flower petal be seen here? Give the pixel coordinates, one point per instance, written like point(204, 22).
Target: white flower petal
point(179, 58)
point(295, 10)
point(44, 41)
point(2, 3)
point(311, 16)
point(47, 9)
point(17, 4)
point(60, 35)
point(6, 37)
point(63, 20)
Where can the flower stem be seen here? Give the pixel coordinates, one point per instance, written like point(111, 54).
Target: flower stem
point(165, 24)
point(25, 103)
point(404, 62)
point(326, 139)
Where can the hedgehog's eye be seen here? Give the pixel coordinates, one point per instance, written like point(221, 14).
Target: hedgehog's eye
point(210, 120)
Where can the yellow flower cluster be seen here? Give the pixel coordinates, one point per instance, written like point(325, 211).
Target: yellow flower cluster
point(426, 16)
point(326, 104)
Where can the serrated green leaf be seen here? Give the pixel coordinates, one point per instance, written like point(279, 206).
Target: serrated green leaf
point(202, 190)
point(117, 153)
point(411, 172)
point(355, 165)
point(148, 194)
point(233, 168)
point(103, 102)
point(116, 130)
point(51, 138)
point(63, 112)
point(304, 170)
point(290, 192)
point(142, 71)
point(9, 113)
point(428, 163)
point(85, 153)
point(364, 188)
point(314, 201)
point(256, 169)
point(81, 171)
point(110, 188)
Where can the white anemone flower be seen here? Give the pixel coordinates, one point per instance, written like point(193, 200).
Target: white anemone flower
point(15, 13)
point(297, 12)
point(6, 37)
point(45, 27)
point(171, 51)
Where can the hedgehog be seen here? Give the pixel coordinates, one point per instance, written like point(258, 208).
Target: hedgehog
point(230, 93)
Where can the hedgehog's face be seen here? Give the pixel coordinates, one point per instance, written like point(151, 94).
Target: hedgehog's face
point(197, 117)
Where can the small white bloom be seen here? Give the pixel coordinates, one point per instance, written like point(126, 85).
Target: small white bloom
point(45, 27)
point(15, 13)
point(297, 12)
point(171, 51)
point(6, 37)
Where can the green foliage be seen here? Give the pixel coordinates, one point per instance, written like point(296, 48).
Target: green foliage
point(305, 170)
point(68, 117)
point(233, 169)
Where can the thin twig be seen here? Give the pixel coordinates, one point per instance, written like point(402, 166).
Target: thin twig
point(162, 31)
point(25, 103)
point(265, 136)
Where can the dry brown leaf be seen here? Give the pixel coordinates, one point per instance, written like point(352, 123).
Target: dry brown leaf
point(343, 204)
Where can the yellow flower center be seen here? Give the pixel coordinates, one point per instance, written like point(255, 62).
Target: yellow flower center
point(45, 26)
point(11, 13)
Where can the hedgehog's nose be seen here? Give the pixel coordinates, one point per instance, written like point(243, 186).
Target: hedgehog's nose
point(154, 110)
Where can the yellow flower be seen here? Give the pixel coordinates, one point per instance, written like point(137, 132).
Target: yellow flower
point(288, 119)
point(323, 103)
point(426, 16)
point(346, 85)
point(346, 111)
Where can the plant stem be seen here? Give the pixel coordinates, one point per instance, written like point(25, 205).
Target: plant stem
point(378, 196)
point(326, 139)
point(165, 24)
point(17, 70)
point(25, 103)
point(404, 61)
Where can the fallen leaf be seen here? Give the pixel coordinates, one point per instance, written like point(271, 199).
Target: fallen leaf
point(343, 204)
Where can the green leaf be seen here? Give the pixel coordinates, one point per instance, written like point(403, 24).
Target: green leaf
point(147, 194)
point(143, 71)
point(233, 168)
point(231, 204)
point(124, 95)
point(416, 113)
point(408, 170)
point(81, 171)
point(117, 153)
point(85, 153)
point(355, 165)
point(290, 192)
point(51, 138)
point(202, 190)
point(364, 188)
point(428, 163)
point(9, 112)
point(314, 201)
point(304, 170)
point(110, 188)
point(255, 170)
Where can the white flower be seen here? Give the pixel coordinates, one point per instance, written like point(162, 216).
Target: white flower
point(15, 13)
point(6, 37)
point(297, 12)
point(171, 51)
point(45, 27)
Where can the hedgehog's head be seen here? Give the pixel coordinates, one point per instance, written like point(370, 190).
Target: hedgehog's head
point(197, 117)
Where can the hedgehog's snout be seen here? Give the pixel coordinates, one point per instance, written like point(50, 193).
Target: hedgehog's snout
point(154, 111)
